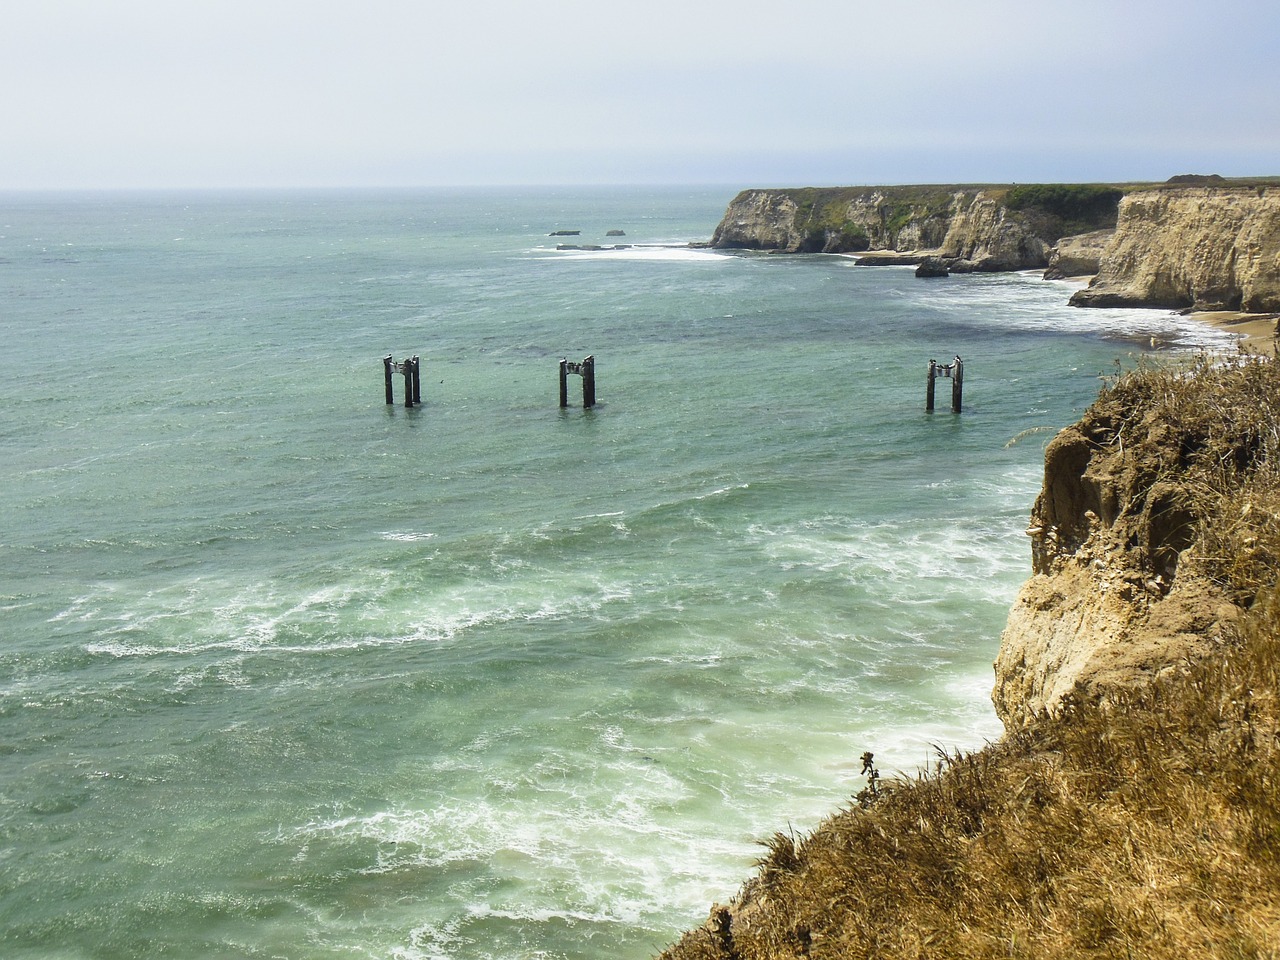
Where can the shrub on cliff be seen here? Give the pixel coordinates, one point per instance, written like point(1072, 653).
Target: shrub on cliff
point(1214, 426)
point(1080, 206)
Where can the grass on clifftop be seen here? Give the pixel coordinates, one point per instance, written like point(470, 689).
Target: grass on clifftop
point(1225, 418)
point(822, 213)
point(1146, 825)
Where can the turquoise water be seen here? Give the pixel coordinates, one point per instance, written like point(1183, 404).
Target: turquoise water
point(288, 672)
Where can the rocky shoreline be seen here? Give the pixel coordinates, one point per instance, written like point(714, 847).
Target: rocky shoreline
point(1129, 810)
point(1138, 674)
point(1200, 244)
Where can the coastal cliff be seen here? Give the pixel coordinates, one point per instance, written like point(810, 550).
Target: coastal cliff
point(1203, 243)
point(1130, 809)
point(1116, 595)
point(971, 228)
point(1208, 248)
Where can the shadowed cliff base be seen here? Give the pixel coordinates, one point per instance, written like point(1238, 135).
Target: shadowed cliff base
point(1134, 818)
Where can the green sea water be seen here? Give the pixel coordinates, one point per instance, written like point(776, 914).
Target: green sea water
point(286, 671)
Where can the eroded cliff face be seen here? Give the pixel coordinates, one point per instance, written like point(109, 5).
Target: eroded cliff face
point(1210, 248)
point(1118, 593)
point(1214, 247)
point(790, 221)
point(760, 220)
point(970, 228)
point(985, 235)
point(1078, 256)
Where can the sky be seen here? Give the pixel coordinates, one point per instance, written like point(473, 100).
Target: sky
point(102, 94)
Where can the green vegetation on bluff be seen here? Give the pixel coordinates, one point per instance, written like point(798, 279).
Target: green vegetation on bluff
point(1080, 206)
point(1146, 824)
point(918, 217)
point(854, 219)
point(829, 217)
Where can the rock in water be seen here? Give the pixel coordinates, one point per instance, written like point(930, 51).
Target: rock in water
point(933, 267)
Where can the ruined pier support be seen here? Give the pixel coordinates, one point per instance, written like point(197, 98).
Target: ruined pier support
point(953, 371)
point(411, 368)
point(587, 370)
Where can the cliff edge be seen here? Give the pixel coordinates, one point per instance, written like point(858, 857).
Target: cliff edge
point(1130, 809)
point(1207, 248)
point(1117, 593)
point(1203, 243)
point(971, 228)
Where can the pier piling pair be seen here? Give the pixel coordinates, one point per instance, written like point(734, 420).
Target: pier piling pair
point(411, 368)
point(587, 370)
point(953, 371)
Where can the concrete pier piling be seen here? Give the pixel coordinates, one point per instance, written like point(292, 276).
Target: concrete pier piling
point(954, 372)
point(587, 370)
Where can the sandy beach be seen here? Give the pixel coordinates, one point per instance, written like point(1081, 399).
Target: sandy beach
point(1257, 330)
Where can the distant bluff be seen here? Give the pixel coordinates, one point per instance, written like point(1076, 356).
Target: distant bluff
point(978, 227)
point(1201, 242)
point(1204, 247)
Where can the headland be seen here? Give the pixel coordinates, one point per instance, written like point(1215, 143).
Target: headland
point(1201, 244)
point(1131, 808)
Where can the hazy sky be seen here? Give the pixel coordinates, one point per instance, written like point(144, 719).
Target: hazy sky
point(232, 93)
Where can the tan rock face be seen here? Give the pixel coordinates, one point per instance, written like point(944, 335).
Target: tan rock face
point(1212, 248)
point(1078, 256)
point(759, 220)
point(1207, 247)
point(875, 215)
point(1116, 594)
point(971, 227)
point(986, 237)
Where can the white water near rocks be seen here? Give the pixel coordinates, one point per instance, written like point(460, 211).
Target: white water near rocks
point(290, 672)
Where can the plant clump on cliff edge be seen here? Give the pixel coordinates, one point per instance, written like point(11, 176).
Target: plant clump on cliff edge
point(1214, 426)
point(1142, 823)
point(1080, 207)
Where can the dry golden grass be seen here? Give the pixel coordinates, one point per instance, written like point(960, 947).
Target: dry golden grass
point(1223, 418)
point(1144, 825)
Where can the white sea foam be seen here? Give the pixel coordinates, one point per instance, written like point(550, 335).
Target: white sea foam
point(583, 856)
point(650, 253)
point(209, 616)
point(512, 682)
point(902, 561)
point(1018, 302)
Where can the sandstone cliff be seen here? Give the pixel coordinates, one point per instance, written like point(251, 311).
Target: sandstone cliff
point(1209, 248)
point(834, 221)
point(970, 228)
point(1078, 256)
point(1201, 243)
point(1115, 596)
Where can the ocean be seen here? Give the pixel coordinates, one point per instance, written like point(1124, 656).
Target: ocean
point(287, 671)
